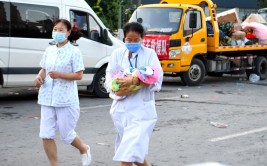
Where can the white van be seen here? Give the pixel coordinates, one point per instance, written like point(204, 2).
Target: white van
point(26, 30)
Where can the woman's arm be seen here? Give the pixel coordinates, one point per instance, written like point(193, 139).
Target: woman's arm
point(125, 84)
point(40, 78)
point(67, 76)
point(137, 81)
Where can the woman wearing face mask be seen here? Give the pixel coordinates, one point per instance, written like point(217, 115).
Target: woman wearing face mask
point(61, 65)
point(135, 115)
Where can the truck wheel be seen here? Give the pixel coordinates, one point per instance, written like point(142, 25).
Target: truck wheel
point(261, 67)
point(99, 81)
point(195, 75)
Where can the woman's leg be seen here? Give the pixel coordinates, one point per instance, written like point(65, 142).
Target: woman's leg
point(126, 163)
point(77, 143)
point(84, 151)
point(67, 118)
point(50, 148)
point(146, 163)
point(47, 133)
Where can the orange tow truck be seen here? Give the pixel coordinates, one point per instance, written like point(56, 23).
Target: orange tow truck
point(177, 30)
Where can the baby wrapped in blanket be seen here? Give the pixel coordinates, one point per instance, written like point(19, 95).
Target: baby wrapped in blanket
point(146, 74)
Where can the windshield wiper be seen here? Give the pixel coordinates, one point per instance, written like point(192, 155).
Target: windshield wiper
point(155, 32)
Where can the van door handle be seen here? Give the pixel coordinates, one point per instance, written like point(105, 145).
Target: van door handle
point(52, 43)
point(202, 40)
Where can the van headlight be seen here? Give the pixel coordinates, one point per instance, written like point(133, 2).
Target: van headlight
point(174, 53)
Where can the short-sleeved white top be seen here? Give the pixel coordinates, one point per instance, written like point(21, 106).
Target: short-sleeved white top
point(60, 92)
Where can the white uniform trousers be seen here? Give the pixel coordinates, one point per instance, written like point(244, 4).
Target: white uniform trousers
point(63, 119)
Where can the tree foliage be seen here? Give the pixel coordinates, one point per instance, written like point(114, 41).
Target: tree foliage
point(108, 11)
point(262, 3)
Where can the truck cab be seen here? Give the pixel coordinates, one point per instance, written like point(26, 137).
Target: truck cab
point(170, 32)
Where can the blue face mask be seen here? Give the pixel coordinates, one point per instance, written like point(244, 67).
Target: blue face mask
point(133, 47)
point(59, 37)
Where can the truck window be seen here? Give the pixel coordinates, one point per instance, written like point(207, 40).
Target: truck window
point(32, 21)
point(187, 30)
point(4, 19)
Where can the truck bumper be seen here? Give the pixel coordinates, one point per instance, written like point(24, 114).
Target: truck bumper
point(173, 66)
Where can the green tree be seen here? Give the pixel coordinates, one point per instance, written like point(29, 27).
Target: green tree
point(95, 5)
point(262, 3)
point(108, 11)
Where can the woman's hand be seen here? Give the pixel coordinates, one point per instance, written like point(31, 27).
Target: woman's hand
point(38, 81)
point(54, 74)
point(125, 86)
point(125, 91)
point(125, 81)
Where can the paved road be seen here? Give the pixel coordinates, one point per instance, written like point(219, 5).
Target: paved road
point(183, 134)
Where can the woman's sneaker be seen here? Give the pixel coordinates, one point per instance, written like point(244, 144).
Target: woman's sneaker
point(86, 158)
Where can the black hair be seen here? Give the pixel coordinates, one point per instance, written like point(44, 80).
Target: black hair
point(63, 21)
point(134, 27)
point(75, 33)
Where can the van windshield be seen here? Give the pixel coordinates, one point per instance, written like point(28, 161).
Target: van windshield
point(158, 20)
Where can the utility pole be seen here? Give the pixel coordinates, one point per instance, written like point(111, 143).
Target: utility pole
point(119, 20)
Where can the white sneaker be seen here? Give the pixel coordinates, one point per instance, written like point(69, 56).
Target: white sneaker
point(86, 158)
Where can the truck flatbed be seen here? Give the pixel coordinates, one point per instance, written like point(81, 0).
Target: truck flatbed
point(238, 48)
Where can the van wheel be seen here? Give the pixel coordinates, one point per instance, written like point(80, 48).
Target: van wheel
point(195, 75)
point(99, 81)
point(261, 67)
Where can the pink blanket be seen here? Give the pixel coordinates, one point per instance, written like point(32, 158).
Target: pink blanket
point(259, 30)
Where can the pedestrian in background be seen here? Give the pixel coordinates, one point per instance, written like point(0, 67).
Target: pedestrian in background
point(134, 116)
point(62, 65)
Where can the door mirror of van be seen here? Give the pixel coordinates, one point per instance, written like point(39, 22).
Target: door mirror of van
point(193, 20)
point(94, 35)
point(105, 35)
point(52, 43)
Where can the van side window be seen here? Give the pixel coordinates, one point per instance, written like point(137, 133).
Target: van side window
point(95, 29)
point(4, 19)
point(79, 21)
point(88, 25)
point(32, 21)
point(187, 30)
